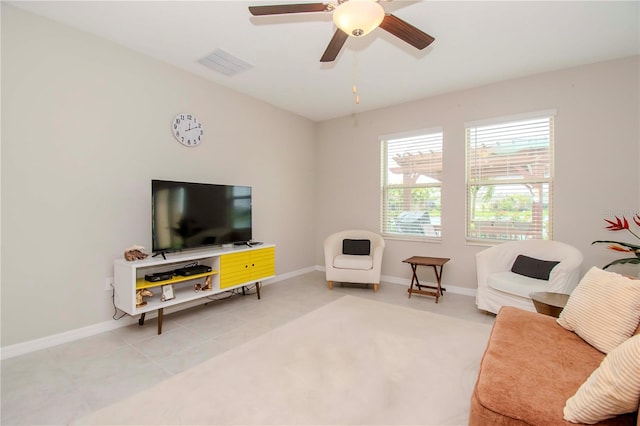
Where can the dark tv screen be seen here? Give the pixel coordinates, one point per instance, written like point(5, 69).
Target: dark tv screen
point(193, 215)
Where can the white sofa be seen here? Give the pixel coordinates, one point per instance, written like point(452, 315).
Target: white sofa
point(349, 268)
point(498, 286)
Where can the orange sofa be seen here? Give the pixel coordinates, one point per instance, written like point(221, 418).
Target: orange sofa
point(531, 366)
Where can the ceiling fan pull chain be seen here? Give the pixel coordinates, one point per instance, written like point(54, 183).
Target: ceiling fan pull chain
point(356, 72)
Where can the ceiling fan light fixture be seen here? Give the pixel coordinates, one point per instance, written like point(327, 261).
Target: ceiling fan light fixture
point(358, 17)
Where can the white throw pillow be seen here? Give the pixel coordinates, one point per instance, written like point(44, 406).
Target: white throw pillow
point(612, 389)
point(604, 309)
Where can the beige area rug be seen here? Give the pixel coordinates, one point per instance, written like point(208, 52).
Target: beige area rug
point(353, 361)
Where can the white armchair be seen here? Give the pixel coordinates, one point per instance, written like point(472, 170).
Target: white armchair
point(353, 268)
point(498, 286)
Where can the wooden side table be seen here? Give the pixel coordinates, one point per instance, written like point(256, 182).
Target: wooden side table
point(549, 303)
point(435, 262)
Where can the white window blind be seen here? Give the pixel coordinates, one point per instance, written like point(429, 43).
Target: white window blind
point(510, 179)
point(412, 185)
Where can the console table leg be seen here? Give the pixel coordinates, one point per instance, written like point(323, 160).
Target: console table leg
point(160, 312)
point(258, 289)
point(141, 319)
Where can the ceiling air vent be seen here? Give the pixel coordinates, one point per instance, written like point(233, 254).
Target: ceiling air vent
point(224, 63)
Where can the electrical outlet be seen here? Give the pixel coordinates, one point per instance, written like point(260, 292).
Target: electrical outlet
point(108, 284)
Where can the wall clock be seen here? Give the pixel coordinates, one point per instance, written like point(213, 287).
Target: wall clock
point(187, 129)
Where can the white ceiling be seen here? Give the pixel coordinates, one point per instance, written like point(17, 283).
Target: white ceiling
point(477, 42)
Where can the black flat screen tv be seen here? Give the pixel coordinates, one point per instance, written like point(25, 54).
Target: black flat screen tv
point(188, 215)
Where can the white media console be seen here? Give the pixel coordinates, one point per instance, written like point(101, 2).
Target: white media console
point(230, 268)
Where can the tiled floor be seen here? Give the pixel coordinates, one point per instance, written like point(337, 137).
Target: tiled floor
point(57, 385)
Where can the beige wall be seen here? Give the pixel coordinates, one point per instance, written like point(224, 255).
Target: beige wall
point(597, 143)
point(85, 127)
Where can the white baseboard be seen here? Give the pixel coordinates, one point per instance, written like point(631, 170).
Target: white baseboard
point(68, 336)
point(465, 291)
point(18, 349)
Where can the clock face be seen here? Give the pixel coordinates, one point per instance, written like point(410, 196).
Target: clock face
point(187, 129)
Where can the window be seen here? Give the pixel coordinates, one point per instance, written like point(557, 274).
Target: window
point(510, 178)
point(412, 184)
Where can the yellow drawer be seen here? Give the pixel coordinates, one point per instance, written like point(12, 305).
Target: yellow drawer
point(263, 263)
point(234, 269)
point(246, 267)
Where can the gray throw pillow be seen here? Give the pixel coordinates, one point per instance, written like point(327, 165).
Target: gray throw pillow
point(356, 247)
point(533, 268)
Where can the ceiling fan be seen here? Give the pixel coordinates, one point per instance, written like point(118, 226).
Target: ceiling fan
point(354, 18)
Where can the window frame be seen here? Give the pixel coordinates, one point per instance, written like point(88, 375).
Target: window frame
point(385, 186)
point(547, 181)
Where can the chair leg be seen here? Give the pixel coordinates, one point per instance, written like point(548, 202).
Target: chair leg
point(330, 285)
point(375, 288)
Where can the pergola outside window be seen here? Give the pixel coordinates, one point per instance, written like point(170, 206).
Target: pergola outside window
point(510, 178)
point(412, 185)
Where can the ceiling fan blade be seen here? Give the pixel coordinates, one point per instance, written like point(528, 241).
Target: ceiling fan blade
point(406, 32)
point(278, 9)
point(336, 43)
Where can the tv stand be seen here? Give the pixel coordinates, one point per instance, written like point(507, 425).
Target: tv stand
point(231, 268)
